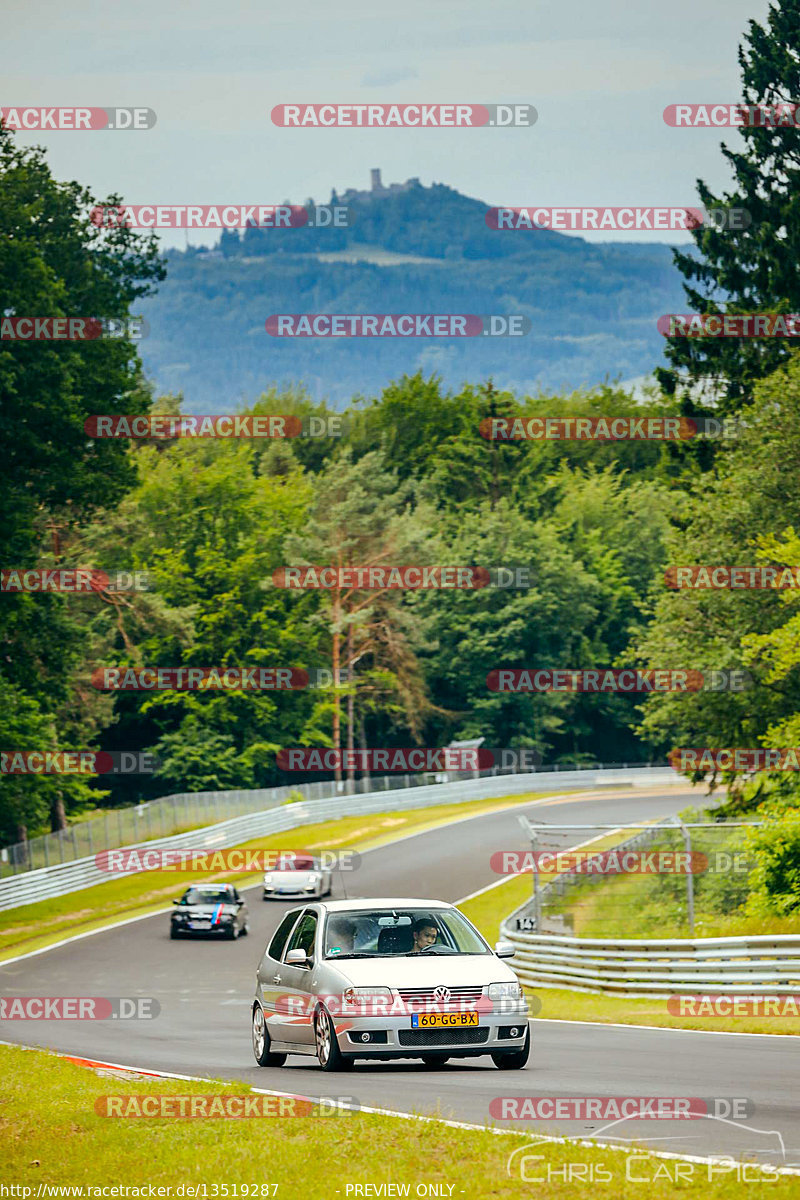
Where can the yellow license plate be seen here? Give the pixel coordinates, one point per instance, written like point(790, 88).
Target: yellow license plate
point(456, 1020)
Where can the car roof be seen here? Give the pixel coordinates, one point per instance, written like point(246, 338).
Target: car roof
point(211, 883)
point(380, 902)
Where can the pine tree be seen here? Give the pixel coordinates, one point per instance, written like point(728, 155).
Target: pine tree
point(756, 269)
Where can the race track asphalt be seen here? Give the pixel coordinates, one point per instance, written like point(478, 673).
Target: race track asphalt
point(205, 989)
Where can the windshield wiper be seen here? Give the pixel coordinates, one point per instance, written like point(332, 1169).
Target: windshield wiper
point(354, 954)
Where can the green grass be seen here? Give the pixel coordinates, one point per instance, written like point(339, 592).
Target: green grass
point(489, 908)
point(34, 926)
point(51, 1134)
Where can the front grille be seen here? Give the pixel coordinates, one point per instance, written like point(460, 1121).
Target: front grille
point(458, 995)
point(442, 1037)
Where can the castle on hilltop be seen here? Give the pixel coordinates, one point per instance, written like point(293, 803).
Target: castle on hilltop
point(377, 188)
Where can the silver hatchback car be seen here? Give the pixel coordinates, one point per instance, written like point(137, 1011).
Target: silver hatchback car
point(348, 979)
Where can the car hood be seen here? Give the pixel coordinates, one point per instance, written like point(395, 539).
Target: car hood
point(430, 971)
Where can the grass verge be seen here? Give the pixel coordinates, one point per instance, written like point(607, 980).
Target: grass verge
point(52, 1135)
point(35, 926)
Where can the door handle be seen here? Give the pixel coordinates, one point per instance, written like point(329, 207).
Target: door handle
point(276, 979)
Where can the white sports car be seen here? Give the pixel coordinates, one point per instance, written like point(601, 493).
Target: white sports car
point(297, 875)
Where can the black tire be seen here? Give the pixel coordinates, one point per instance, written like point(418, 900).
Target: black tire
point(261, 1043)
point(173, 933)
point(513, 1060)
point(244, 930)
point(232, 932)
point(329, 1056)
point(435, 1061)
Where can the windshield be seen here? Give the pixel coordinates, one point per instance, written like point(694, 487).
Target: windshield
point(393, 933)
point(210, 895)
point(294, 862)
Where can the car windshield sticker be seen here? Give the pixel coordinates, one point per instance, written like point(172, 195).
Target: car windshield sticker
point(335, 950)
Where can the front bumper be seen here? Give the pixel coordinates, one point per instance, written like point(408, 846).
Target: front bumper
point(217, 930)
point(395, 1037)
point(278, 893)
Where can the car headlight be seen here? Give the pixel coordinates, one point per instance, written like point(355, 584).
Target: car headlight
point(314, 883)
point(361, 995)
point(505, 991)
point(268, 879)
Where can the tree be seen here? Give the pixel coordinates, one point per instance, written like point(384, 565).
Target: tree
point(743, 514)
point(362, 516)
point(756, 269)
point(54, 262)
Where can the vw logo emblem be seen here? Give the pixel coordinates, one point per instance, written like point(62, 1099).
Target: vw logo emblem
point(441, 993)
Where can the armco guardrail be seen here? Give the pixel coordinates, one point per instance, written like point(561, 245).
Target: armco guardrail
point(72, 876)
point(658, 966)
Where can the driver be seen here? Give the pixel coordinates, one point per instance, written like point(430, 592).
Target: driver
point(424, 932)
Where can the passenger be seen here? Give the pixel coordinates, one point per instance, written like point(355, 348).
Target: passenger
point(424, 932)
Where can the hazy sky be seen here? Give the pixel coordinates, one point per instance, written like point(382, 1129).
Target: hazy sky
point(599, 72)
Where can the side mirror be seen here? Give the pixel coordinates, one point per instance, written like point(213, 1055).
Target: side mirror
point(177, 902)
point(297, 958)
point(239, 903)
point(504, 949)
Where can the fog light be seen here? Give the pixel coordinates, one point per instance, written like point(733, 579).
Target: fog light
point(514, 1032)
point(365, 1037)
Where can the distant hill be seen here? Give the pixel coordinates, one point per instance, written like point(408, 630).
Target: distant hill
point(414, 249)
